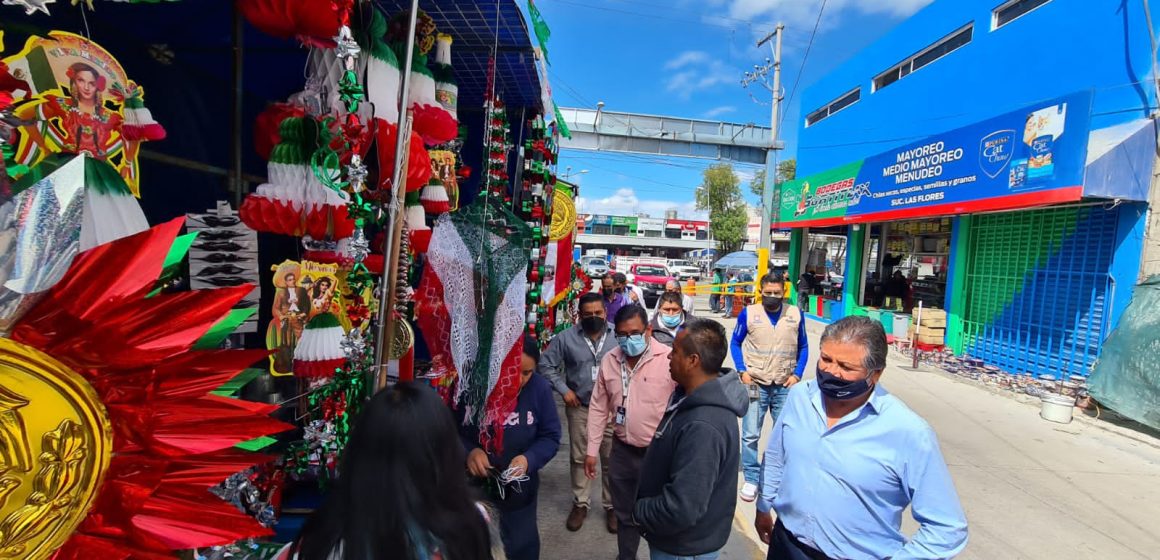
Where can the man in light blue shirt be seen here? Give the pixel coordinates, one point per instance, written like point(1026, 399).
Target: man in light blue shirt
point(845, 460)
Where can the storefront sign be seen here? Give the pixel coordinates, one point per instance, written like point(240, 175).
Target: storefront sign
point(685, 224)
point(629, 221)
point(650, 224)
point(1030, 157)
point(601, 220)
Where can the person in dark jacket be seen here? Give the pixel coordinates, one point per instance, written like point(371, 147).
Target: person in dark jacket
point(670, 318)
point(531, 438)
point(688, 484)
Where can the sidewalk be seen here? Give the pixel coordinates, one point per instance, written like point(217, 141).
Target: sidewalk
point(1031, 489)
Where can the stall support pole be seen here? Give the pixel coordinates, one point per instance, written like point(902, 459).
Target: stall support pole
point(387, 287)
point(236, 177)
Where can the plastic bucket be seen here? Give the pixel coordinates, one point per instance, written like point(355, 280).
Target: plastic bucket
point(901, 326)
point(1057, 408)
point(887, 321)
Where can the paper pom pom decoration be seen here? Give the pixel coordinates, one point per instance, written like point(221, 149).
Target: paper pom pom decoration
point(319, 351)
point(313, 22)
point(434, 197)
point(416, 221)
point(418, 163)
point(446, 85)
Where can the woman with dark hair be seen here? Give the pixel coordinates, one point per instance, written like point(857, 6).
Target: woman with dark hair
point(531, 438)
point(400, 492)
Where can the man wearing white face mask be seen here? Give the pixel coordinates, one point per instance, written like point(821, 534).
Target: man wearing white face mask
point(632, 389)
point(669, 319)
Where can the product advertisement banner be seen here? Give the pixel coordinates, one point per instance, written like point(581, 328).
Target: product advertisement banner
point(1025, 158)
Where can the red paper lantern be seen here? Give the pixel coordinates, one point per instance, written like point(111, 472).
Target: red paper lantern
point(314, 22)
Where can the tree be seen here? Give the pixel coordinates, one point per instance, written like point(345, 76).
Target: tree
point(786, 171)
point(720, 195)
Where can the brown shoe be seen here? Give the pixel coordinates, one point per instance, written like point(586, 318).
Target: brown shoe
point(610, 519)
point(576, 518)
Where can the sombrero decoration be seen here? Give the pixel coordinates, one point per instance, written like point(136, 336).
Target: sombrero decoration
point(294, 201)
point(107, 400)
point(319, 351)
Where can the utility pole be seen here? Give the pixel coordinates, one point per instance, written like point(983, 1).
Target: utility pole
point(767, 209)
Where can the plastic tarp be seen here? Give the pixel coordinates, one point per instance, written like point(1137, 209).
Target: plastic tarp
point(1126, 378)
point(1119, 161)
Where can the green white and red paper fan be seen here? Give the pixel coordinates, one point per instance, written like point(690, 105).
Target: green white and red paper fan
point(446, 85)
point(383, 75)
point(319, 351)
point(294, 201)
point(434, 197)
point(416, 219)
point(138, 122)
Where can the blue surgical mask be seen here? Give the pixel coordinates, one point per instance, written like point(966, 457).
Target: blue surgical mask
point(632, 346)
point(671, 321)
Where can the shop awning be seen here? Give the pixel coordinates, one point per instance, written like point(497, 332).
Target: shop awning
point(1039, 155)
point(1120, 160)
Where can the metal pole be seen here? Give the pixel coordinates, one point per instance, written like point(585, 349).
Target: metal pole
point(767, 208)
point(387, 283)
point(236, 178)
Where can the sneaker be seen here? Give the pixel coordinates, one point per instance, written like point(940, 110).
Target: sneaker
point(749, 492)
point(576, 518)
point(610, 521)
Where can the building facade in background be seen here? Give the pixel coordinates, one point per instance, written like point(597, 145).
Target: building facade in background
point(992, 159)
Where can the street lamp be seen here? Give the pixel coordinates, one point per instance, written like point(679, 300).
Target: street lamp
point(569, 174)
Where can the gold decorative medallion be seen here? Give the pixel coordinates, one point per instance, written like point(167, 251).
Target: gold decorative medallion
point(55, 445)
point(563, 216)
point(402, 339)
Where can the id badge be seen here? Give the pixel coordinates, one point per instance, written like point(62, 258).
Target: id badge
point(595, 373)
point(620, 414)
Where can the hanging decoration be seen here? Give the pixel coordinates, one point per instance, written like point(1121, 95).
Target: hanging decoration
point(432, 121)
point(77, 99)
point(416, 220)
point(311, 22)
point(470, 308)
point(116, 432)
point(303, 291)
point(319, 352)
point(446, 84)
point(498, 147)
point(444, 166)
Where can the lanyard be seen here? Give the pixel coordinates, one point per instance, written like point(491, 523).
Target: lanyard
point(596, 349)
point(626, 378)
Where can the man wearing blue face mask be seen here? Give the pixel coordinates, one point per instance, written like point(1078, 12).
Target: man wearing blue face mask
point(669, 319)
point(845, 460)
point(632, 390)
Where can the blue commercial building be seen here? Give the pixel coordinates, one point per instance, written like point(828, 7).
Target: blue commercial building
point(992, 159)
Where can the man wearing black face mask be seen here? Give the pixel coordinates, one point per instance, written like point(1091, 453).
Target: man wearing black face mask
point(770, 350)
point(845, 460)
point(571, 363)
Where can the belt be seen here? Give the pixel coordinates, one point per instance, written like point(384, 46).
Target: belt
point(629, 446)
point(801, 550)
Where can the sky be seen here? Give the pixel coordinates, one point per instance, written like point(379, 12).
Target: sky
point(686, 58)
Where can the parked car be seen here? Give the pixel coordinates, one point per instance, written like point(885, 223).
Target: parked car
point(684, 270)
point(651, 279)
point(595, 267)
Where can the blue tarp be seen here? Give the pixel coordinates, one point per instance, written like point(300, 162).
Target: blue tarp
point(1119, 161)
point(738, 259)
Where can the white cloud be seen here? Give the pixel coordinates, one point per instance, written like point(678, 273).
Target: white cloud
point(624, 202)
point(718, 111)
point(687, 58)
point(797, 12)
point(693, 71)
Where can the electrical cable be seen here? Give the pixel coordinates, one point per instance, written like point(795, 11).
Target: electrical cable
point(802, 68)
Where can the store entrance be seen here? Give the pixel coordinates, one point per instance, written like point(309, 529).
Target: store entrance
point(906, 264)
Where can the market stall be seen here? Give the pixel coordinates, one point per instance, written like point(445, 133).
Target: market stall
point(333, 222)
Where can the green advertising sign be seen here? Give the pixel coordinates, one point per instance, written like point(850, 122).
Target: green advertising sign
point(819, 196)
point(629, 221)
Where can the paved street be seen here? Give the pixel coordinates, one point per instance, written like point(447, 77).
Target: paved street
point(1031, 489)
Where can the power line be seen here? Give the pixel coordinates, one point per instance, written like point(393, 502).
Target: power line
point(802, 68)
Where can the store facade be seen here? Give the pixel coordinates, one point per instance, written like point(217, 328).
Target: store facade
point(1025, 228)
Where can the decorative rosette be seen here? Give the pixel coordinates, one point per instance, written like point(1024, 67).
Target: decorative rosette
point(418, 163)
point(312, 22)
point(319, 351)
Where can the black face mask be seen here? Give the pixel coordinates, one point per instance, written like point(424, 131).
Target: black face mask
point(592, 325)
point(771, 305)
point(608, 292)
point(840, 389)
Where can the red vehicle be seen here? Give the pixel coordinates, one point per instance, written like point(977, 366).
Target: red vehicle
point(651, 279)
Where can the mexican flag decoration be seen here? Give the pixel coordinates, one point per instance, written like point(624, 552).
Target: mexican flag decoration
point(416, 220)
point(470, 308)
point(319, 351)
point(562, 238)
point(383, 76)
